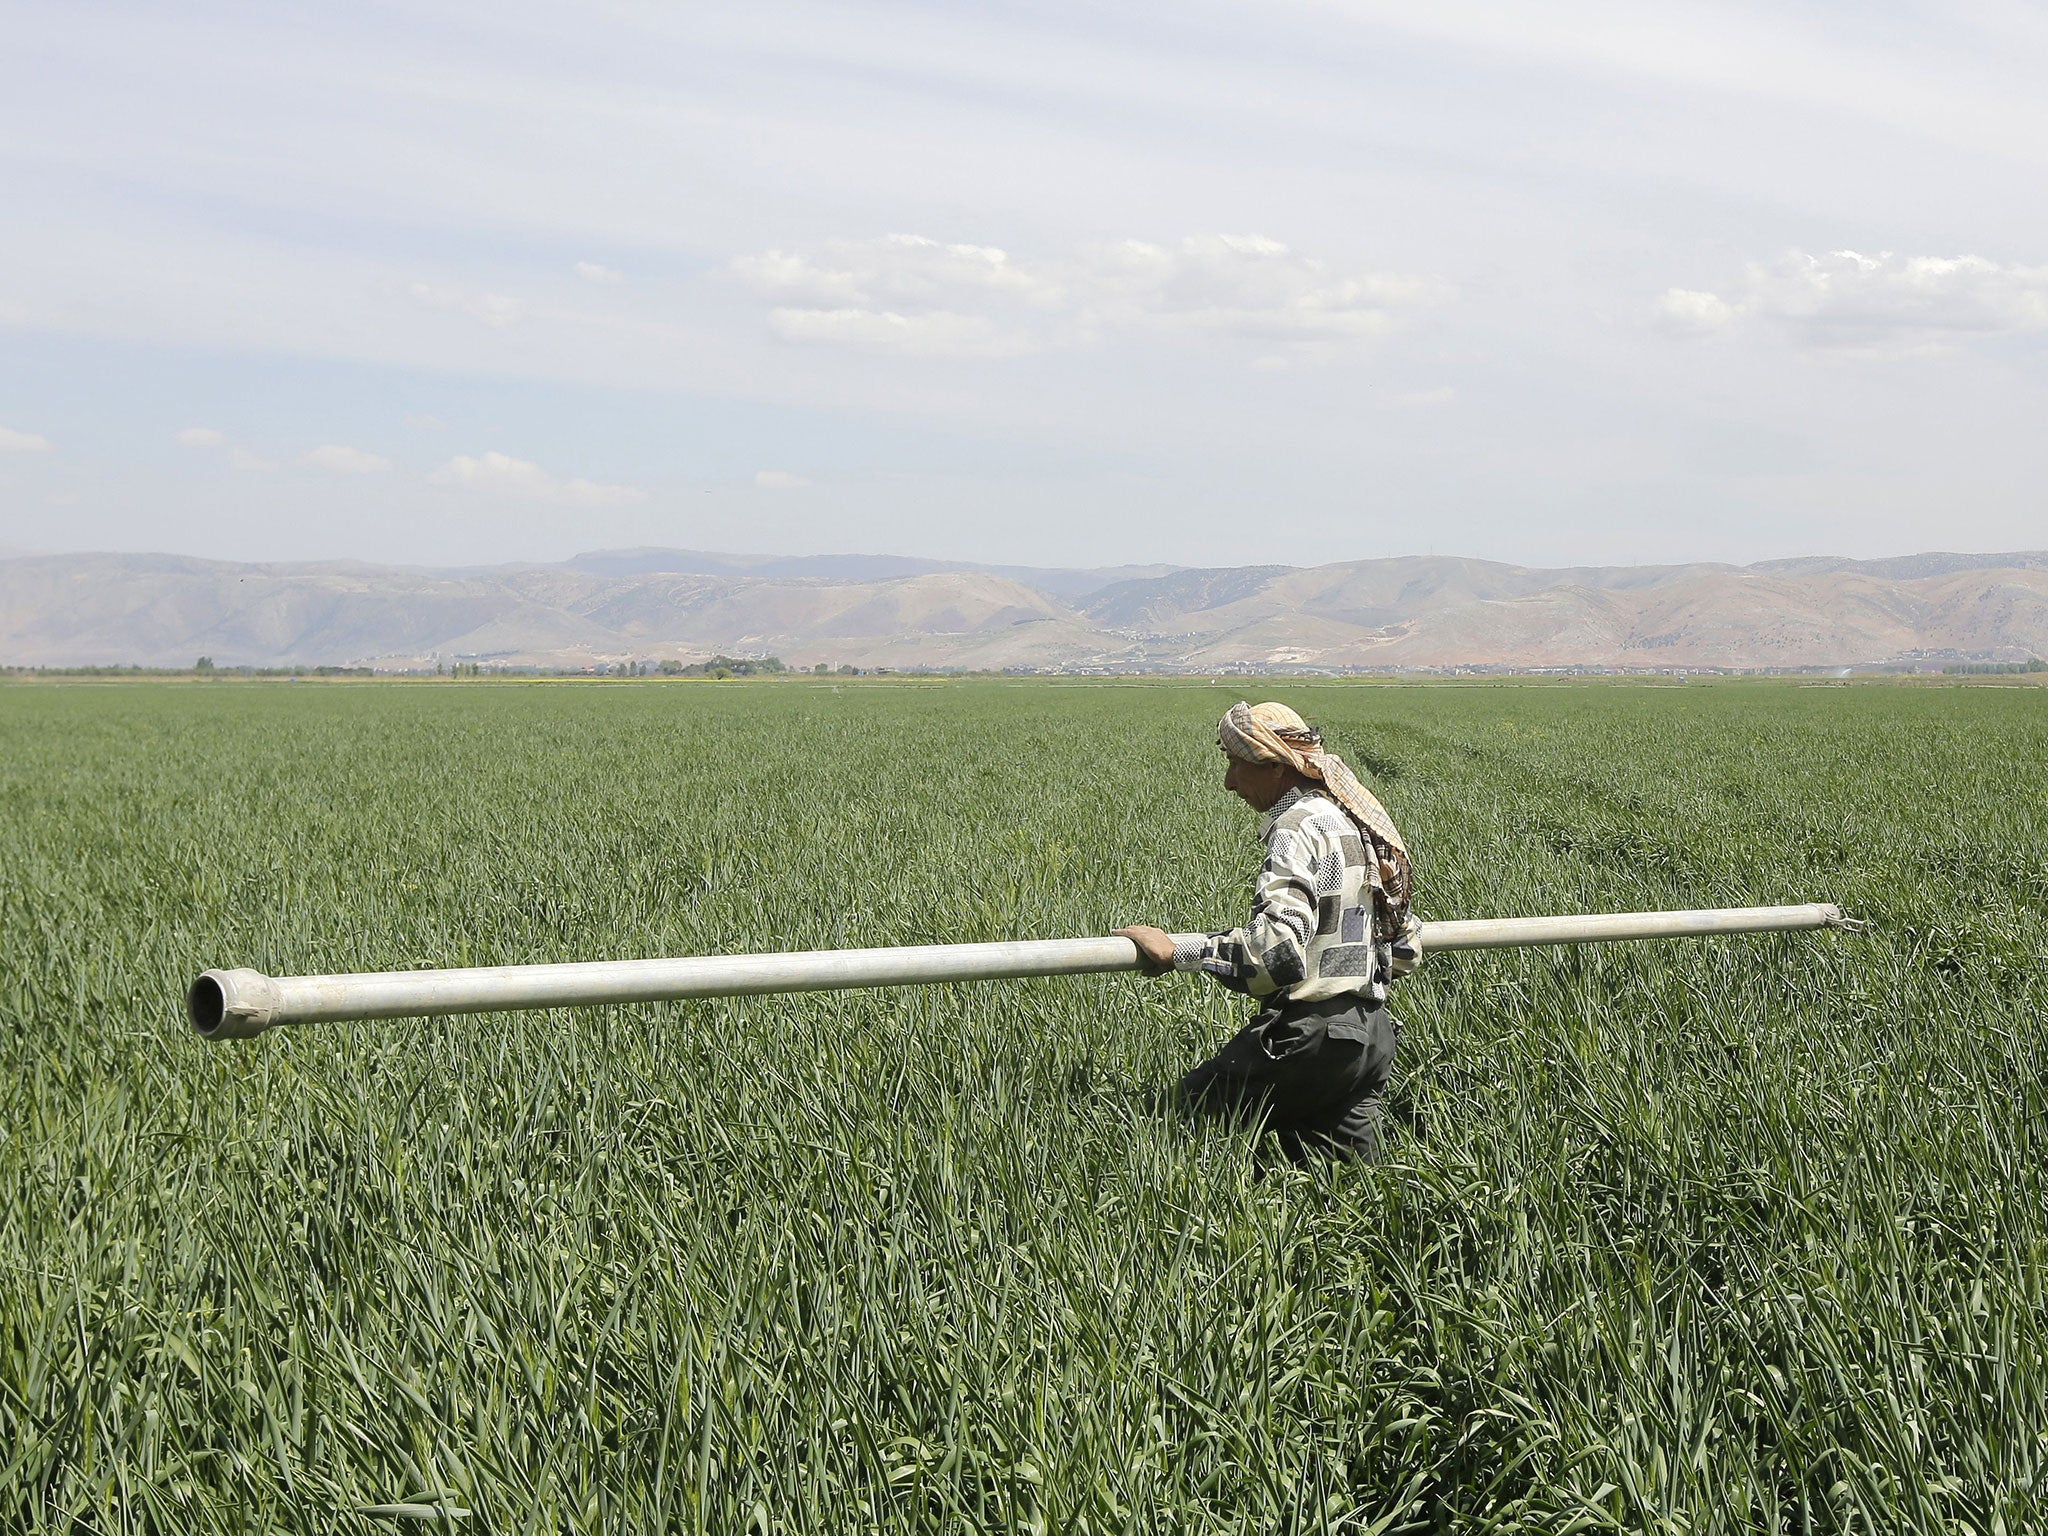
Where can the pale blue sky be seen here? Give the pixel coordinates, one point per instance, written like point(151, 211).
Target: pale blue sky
point(1050, 283)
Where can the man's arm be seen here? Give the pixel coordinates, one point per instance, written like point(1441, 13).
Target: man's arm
point(1268, 954)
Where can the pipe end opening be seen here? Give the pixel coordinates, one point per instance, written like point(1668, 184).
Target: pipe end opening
point(206, 1005)
point(231, 1005)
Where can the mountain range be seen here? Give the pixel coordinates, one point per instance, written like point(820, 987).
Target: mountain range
point(890, 611)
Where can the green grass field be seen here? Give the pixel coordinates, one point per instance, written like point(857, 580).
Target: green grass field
point(1729, 1235)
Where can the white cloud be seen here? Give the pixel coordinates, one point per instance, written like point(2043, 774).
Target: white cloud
point(896, 270)
point(939, 333)
point(1243, 285)
point(338, 460)
point(597, 272)
point(914, 296)
point(496, 310)
point(778, 480)
point(12, 441)
point(781, 275)
point(1874, 303)
point(1695, 313)
point(238, 457)
point(502, 475)
point(1422, 399)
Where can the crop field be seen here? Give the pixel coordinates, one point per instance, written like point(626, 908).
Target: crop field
point(1727, 1235)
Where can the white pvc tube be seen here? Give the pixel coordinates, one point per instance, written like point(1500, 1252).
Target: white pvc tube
point(1601, 927)
point(234, 1004)
point(228, 1004)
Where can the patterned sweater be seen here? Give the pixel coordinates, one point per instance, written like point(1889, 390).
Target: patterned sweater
point(1310, 937)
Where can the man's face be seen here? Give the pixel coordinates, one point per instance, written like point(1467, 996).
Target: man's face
point(1258, 785)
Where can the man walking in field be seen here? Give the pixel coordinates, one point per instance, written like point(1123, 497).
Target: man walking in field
point(1329, 929)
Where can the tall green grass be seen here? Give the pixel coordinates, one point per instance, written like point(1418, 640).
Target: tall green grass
point(1713, 1236)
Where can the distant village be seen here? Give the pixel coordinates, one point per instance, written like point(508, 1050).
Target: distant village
point(720, 668)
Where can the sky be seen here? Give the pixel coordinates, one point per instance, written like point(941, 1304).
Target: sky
point(1046, 283)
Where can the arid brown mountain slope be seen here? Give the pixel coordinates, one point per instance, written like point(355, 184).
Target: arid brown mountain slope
point(1413, 612)
point(1447, 612)
point(167, 610)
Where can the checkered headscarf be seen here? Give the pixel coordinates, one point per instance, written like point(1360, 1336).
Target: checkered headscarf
point(1273, 733)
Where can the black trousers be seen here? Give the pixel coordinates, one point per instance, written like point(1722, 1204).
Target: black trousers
point(1312, 1073)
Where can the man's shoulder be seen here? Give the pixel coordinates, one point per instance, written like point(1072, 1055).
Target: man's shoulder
point(1315, 812)
point(1315, 826)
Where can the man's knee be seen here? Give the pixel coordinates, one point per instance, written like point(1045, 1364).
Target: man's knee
point(1208, 1090)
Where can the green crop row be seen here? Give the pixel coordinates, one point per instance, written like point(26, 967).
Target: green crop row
point(1729, 1235)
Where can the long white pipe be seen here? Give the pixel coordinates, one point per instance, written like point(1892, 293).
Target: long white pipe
point(1599, 927)
point(234, 1004)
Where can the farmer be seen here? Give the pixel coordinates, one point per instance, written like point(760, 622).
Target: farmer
point(1329, 928)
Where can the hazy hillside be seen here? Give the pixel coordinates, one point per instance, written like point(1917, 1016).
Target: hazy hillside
point(1070, 585)
point(885, 611)
point(1443, 611)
